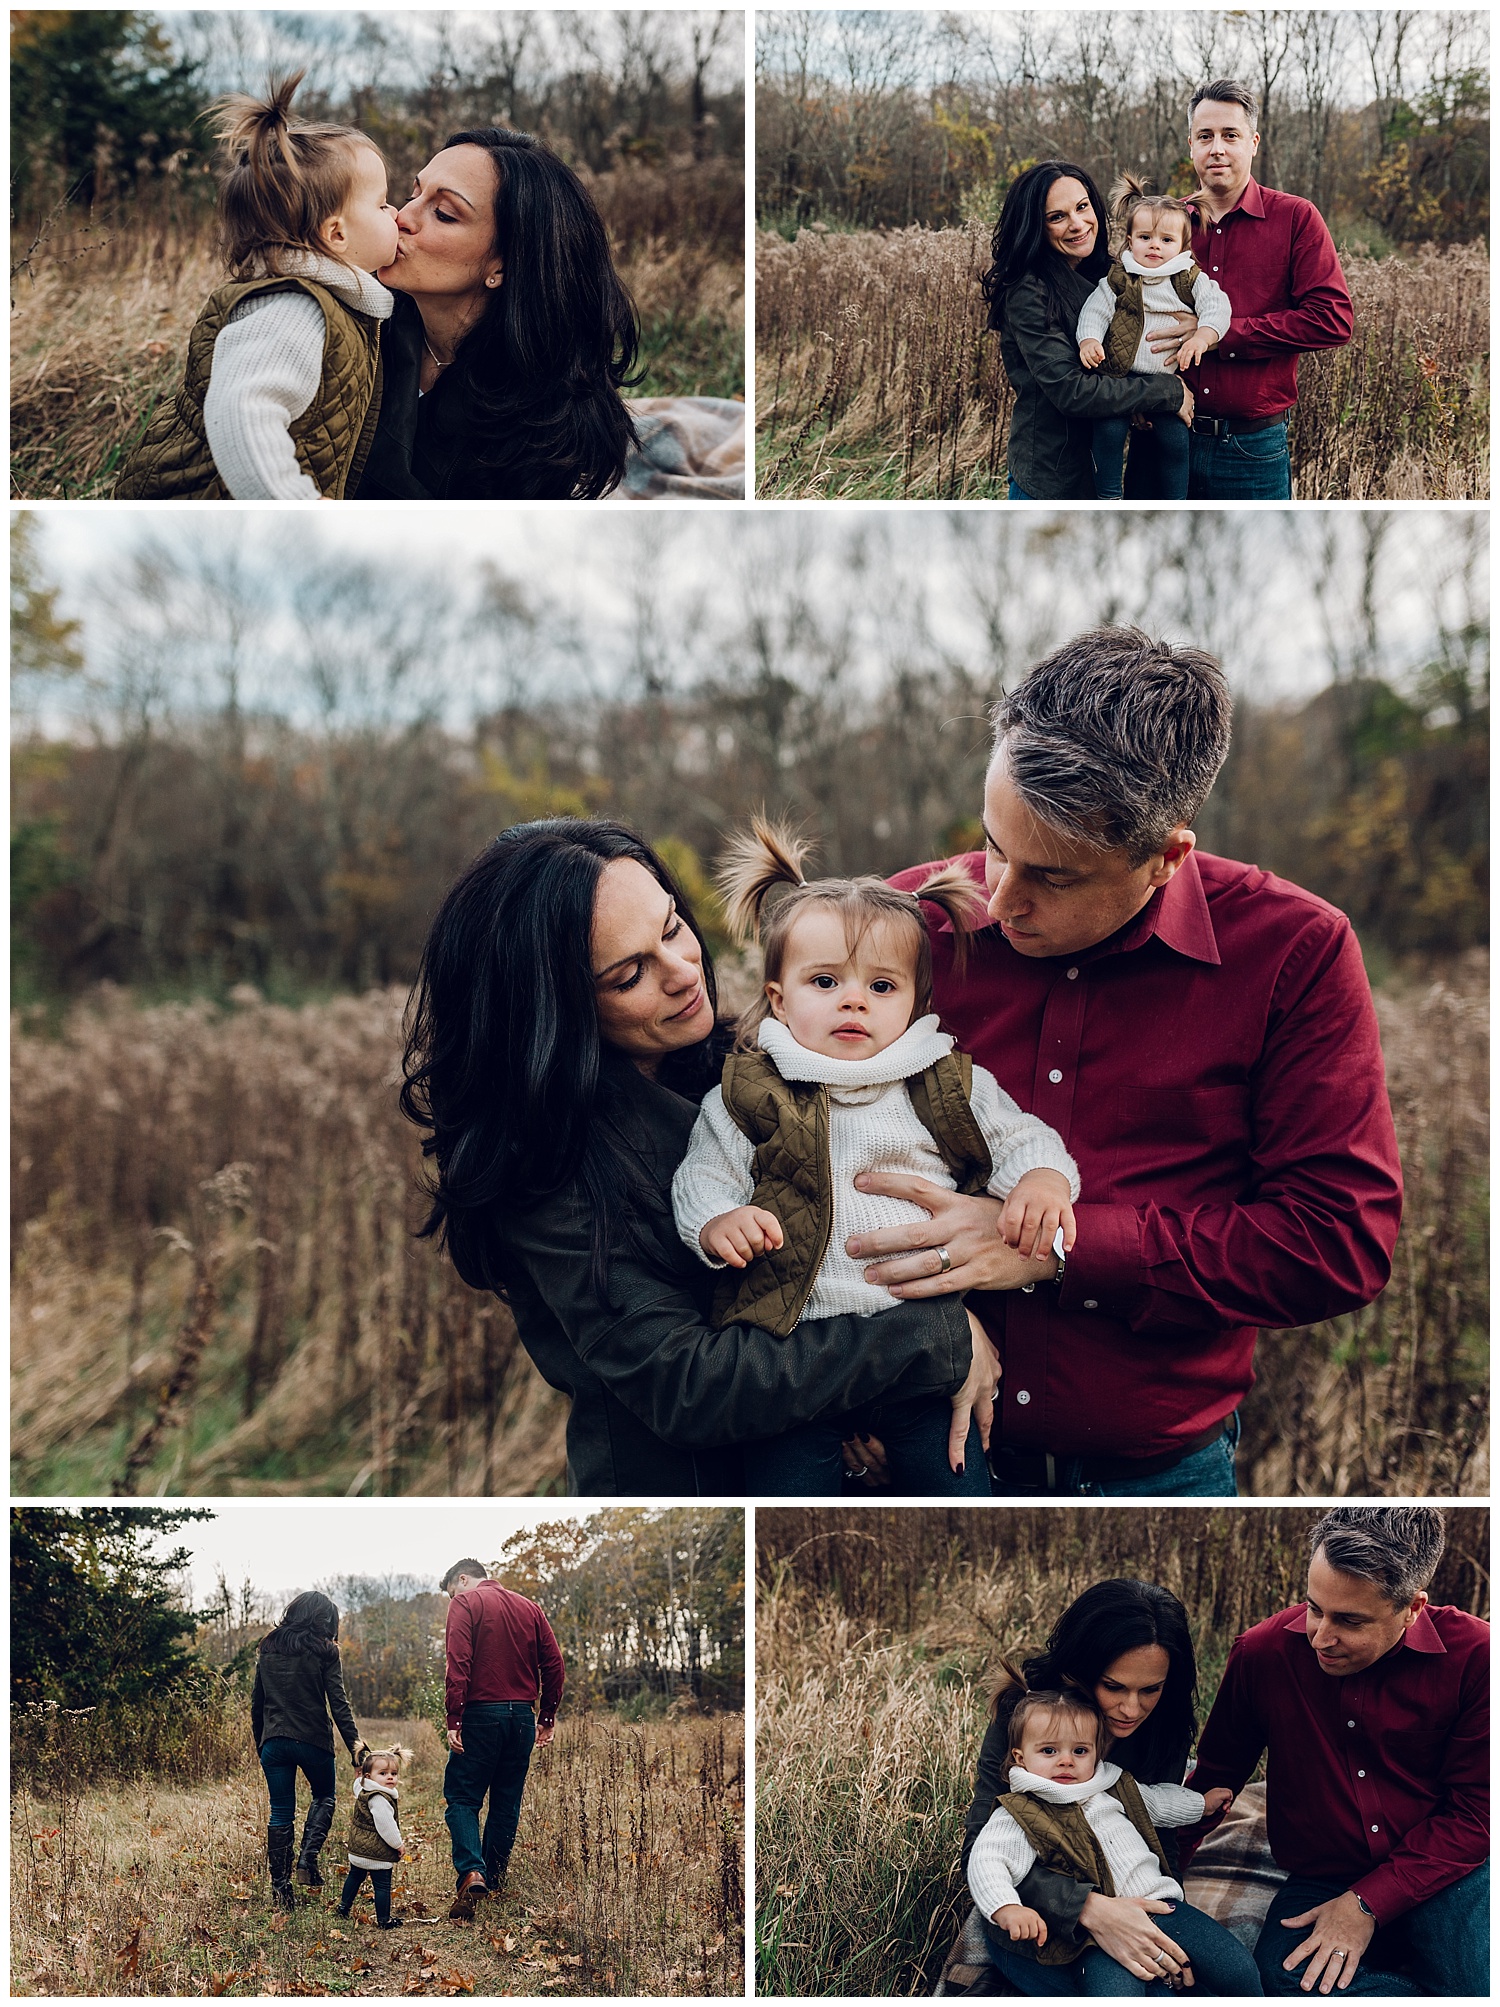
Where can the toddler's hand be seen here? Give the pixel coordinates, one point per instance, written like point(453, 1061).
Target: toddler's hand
point(1215, 1800)
point(1196, 347)
point(1038, 1205)
point(738, 1237)
point(1020, 1924)
point(1091, 353)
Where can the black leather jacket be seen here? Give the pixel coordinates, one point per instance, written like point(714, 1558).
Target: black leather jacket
point(660, 1398)
point(1049, 454)
point(294, 1694)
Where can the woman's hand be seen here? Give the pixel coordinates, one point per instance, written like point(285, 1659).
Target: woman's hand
point(976, 1397)
point(1121, 1926)
point(908, 1258)
point(1186, 408)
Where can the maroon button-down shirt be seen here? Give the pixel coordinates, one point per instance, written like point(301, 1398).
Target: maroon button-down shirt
point(1379, 1780)
point(1215, 1069)
point(1273, 256)
point(500, 1647)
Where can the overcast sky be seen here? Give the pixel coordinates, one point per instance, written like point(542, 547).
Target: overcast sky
point(285, 1545)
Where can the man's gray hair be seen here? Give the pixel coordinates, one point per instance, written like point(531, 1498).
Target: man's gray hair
point(1226, 91)
point(1116, 739)
point(1397, 1547)
point(467, 1567)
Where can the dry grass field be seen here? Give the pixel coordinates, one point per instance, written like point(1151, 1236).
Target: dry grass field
point(100, 316)
point(878, 1638)
point(627, 1879)
point(876, 376)
point(215, 1289)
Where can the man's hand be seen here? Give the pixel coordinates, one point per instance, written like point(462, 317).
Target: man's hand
point(456, 1740)
point(1197, 346)
point(1340, 1934)
point(737, 1237)
point(976, 1397)
point(906, 1257)
point(545, 1735)
point(1167, 341)
point(1039, 1203)
point(1217, 1800)
point(1090, 354)
point(1021, 1925)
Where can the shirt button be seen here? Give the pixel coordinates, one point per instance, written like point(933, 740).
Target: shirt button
point(1359, 1773)
point(1054, 1076)
point(1072, 975)
point(1374, 1829)
point(1022, 1398)
point(1091, 1303)
point(1351, 1724)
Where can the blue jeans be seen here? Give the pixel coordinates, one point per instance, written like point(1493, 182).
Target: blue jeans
point(1015, 493)
point(1440, 1949)
point(1166, 446)
point(1247, 467)
point(380, 1885)
point(498, 1738)
point(808, 1462)
point(1222, 1967)
point(281, 1757)
point(1207, 1473)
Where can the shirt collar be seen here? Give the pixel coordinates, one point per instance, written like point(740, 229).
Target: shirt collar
point(1251, 203)
point(1177, 916)
point(1421, 1636)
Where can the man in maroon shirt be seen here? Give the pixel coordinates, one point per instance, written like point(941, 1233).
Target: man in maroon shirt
point(1273, 256)
point(502, 1662)
point(1373, 1708)
point(1201, 1035)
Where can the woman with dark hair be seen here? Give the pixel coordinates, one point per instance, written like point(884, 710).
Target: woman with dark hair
point(512, 335)
point(562, 1033)
point(299, 1682)
point(1127, 1644)
point(1048, 253)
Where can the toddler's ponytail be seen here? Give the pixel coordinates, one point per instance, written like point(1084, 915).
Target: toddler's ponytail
point(961, 903)
point(754, 864)
point(257, 132)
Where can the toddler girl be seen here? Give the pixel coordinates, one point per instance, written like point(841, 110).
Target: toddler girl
point(1154, 278)
point(283, 374)
point(840, 1069)
point(1090, 1820)
point(375, 1842)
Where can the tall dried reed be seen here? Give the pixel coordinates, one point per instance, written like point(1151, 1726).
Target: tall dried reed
point(217, 1286)
point(621, 1881)
point(879, 1636)
point(876, 375)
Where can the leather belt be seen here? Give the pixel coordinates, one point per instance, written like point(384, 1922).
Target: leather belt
point(1230, 428)
point(1040, 1469)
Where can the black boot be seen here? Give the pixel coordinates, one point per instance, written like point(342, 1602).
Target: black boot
point(314, 1833)
point(280, 1843)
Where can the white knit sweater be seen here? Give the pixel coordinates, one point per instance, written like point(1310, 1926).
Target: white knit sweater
point(266, 371)
point(1002, 1853)
point(382, 1812)
point(1160, 301)
point(872, 1126)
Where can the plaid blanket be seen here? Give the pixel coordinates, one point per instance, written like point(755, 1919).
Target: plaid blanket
point(692, 449)
point(1231, 1877)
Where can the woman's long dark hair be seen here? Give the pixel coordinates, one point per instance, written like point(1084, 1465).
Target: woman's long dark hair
point(309, 1626)
point(505, 1067)
point(544, 365)
point(1106, 1621)
point(1021, 248)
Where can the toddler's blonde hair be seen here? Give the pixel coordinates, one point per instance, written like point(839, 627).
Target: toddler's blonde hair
point(398, 1754)
point(284, 182)
point(768, 855)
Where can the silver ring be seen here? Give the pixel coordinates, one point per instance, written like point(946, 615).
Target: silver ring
point(1341, 1954)
point(945, 1260)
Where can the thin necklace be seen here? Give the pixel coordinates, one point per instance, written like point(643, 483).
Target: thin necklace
point(434, 354)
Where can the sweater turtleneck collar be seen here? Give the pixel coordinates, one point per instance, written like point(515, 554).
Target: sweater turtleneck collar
point(1054, 1793)
point(1173, 265)
point(361, 291)
point(918, 1047)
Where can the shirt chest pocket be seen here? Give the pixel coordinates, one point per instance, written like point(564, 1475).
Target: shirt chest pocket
point(1180, 1145)
point(1415, 1753)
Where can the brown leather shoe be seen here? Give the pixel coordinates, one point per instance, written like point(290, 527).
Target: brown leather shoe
point(471, 1893)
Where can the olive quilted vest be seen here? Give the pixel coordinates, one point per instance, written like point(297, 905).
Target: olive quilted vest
point(1066, 1843)
point(1123, 337)
point(787, 1121)
point(364, 1837)
point(332, 437)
